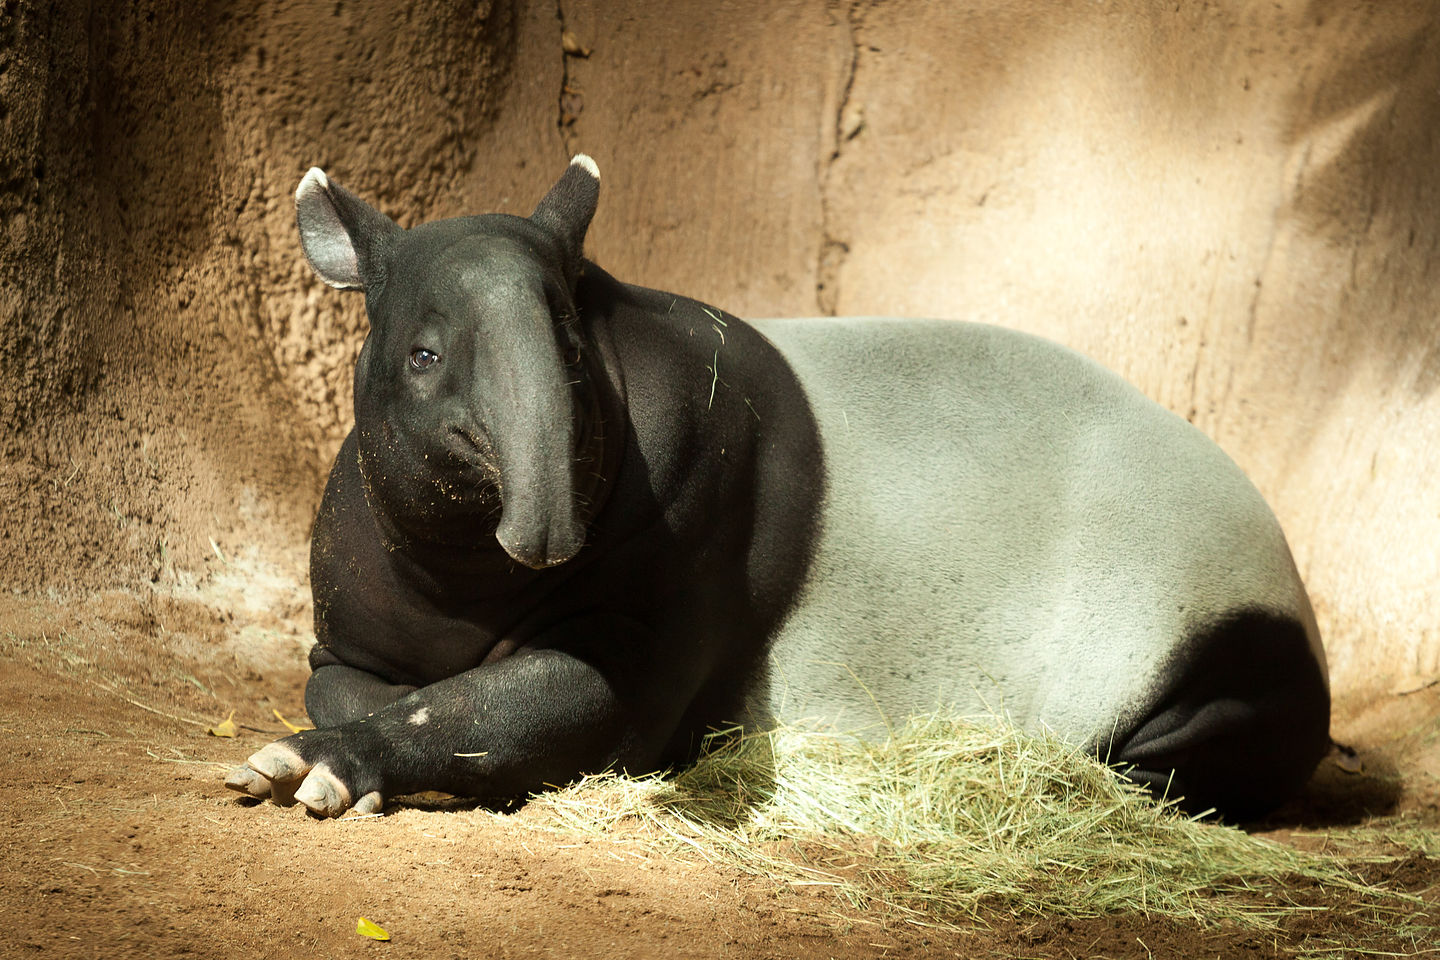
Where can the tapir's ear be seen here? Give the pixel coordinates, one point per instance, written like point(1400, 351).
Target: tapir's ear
point(566, 210)
point(343, 236)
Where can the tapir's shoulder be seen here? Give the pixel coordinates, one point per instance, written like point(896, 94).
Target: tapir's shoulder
point(343, 554)
point(695, 369)
point(718, 425)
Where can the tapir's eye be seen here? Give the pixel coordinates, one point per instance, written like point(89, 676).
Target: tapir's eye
point(420, 358)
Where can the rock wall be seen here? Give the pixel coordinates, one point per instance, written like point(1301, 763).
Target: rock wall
point(1233, 205)
point(172, 379)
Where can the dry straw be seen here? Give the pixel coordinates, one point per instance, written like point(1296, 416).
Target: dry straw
point(947, 819)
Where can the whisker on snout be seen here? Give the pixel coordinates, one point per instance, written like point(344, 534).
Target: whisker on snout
point(487, 488)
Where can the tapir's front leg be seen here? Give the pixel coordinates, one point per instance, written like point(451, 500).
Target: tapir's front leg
point(336, 694)
point(503, 729)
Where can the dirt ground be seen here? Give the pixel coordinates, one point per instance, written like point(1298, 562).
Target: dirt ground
point(122, 842)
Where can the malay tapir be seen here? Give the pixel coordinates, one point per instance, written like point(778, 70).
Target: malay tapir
point(579, 524)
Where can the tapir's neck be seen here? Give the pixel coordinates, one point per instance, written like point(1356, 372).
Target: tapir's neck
point(602, 436)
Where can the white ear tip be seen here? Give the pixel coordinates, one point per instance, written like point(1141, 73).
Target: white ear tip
point(584, 162)
point(314, 180)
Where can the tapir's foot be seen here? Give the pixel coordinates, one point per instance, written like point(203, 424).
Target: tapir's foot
point(1244, 725)
point(282, 773)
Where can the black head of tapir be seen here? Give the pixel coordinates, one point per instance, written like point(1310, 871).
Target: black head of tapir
point(469, 386)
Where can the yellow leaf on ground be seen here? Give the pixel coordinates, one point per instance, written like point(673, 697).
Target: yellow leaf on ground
point(226, 728)
point(372, 930)
point(288, 725)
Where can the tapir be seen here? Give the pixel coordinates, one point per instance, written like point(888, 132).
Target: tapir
point(580, 524)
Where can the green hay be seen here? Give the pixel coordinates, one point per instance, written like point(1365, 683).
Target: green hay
point(947, 819)
point(1405, 832)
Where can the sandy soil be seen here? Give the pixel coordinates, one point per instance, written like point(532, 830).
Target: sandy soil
point(122, 842)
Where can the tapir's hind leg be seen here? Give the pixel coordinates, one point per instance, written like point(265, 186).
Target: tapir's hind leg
point(337, 693)
point(1243, 722)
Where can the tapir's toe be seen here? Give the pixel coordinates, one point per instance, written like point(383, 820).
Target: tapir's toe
point(317, 768)
point(247, 781)
point(323, 793)
point(273, 771)
point(277, 762)
point(372, 802)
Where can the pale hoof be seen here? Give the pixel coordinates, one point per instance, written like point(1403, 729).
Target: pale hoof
point(277, 762)
point(323, 794)
point(371, 803)
point(247, 781)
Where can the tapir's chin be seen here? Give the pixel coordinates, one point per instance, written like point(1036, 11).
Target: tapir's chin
point(540, 545)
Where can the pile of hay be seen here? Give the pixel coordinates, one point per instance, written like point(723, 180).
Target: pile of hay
point(946, 819)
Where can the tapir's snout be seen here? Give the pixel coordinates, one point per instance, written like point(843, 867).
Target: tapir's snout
point(539, 523)
point(534, 436)
point(556, 545)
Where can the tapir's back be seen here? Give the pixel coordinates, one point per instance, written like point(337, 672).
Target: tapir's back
point(1008, 527)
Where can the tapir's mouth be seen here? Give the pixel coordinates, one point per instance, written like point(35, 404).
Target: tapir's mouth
point(471, 477)
point(474, 449)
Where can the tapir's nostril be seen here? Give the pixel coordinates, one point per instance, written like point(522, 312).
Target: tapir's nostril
point(550, 552)
point(471, 443)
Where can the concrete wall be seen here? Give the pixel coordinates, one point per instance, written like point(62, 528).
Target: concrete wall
point(1234, 205)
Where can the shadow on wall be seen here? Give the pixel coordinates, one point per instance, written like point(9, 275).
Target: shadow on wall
point(165, 356)
point(153, 154)
point(1366, 139)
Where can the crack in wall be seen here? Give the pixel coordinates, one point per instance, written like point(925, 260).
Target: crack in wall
point(568, 103)
point(849, 121)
